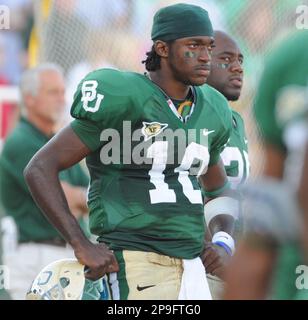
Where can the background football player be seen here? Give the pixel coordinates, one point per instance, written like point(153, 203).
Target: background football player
point(276, 241)
point(227, 77)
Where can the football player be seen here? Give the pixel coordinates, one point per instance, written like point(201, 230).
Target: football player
point(227, 77)
point(267, 259)
point(147, 140)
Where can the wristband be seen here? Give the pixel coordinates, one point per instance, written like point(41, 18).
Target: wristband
point(224, 240)
point(223, 245)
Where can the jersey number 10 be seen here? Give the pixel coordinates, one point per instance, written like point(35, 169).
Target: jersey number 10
point(158, 151)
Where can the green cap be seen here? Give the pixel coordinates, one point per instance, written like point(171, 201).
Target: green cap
point(180, 21)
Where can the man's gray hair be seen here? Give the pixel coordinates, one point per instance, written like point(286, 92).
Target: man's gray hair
point(30, 79)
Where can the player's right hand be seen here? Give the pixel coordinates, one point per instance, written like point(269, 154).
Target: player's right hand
point(215, 259)
point(97, 258)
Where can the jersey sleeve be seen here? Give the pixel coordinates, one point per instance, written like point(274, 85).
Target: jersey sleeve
point(281, 96)
point(75, 176)
point(224, 133)
point(101, 99)
point(240, 123)
point(89, 133)
point(265, 104)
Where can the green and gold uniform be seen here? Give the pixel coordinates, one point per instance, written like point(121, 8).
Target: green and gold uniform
point(235, 154)
point(236, 162)
point(281, 112)
point(154, 205)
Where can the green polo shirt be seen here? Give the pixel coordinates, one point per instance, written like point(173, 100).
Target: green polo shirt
point(3, 293)
point(15, 196)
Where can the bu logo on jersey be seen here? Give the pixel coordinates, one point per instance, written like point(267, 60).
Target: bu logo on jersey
point(89, 94)
point(152, 129)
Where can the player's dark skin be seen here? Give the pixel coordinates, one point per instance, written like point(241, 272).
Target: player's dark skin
point(186, 64)
point(303, 201)
point(226, 69)
point(250, 271)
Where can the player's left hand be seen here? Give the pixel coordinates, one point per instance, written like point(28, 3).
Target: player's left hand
point(215, 259)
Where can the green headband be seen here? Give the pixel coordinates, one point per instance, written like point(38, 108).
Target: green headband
point(181, 21)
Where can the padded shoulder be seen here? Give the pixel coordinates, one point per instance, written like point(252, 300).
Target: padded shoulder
point(103, 92)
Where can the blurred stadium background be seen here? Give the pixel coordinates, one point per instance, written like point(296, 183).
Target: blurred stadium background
point(83, 35)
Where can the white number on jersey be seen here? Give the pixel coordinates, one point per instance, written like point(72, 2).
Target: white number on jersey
point(158, 151)
point(231, 154)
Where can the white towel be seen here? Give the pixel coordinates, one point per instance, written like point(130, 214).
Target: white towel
point(194, 284)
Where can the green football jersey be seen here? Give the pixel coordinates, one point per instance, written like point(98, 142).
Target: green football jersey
point(235, 155)
point(281, 113)
point(281, 96)
point(144, 166)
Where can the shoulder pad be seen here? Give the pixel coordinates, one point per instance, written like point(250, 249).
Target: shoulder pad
point(100, 93)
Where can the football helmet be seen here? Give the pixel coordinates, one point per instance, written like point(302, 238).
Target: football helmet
point(64, 280)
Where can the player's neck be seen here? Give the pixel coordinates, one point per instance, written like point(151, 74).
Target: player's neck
point(174, 89)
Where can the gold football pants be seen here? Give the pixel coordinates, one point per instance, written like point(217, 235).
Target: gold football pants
point(145, 276)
